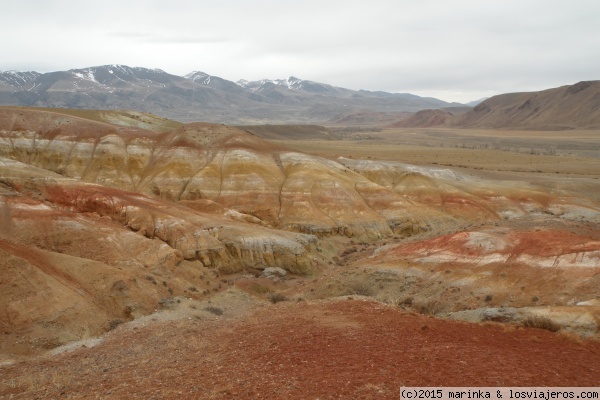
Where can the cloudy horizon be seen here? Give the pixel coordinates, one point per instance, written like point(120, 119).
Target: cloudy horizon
point(455, 51)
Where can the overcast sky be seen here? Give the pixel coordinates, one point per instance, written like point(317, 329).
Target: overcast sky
point(456, 50)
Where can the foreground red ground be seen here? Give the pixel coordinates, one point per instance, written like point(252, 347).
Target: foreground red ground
point(348, 349)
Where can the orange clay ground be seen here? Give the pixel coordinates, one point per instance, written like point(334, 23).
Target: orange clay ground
point(348, 349)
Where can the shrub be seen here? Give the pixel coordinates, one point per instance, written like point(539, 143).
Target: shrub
point(546, 323)
point(277, 297)
point(258, 288)
point(114, 323)
point(406, 301)
point(214, 310)
point(429, 307)
point(359, 288)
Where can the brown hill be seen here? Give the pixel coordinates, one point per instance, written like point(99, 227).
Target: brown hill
point(424, 119)
point(565, 107)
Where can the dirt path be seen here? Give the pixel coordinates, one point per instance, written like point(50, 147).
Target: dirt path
point(349, 349)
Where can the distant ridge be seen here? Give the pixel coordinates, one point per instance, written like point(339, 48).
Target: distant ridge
point(198, 96)
point(565, 107)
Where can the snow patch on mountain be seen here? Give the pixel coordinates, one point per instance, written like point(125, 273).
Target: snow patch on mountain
point(18, 78)
point(291, 83)
point(199, 77)
point(87, 75)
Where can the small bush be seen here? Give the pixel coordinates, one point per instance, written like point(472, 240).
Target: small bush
point(214, 310)
point(359, 288)
point(258, 288)
point(406, 301)
point(114, 323)
point(535, 321)
point(277, 297)
point(429, 307)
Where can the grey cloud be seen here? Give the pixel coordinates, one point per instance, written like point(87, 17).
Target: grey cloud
point(463, 47)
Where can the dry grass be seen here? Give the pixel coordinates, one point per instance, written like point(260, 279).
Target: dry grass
point(277, 297)
point(427, 307)
point(494, 150)
point(359, 288)
point(546, 323)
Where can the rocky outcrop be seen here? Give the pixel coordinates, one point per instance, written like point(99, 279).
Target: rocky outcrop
point(541, 267)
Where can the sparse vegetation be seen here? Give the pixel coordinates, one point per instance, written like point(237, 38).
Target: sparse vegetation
point(405, 301)
point(114, 323)
point(259, 289)
point(214, 310)
point(276, 297)
point(360, 288)
point(427, 307)
point(539, 322)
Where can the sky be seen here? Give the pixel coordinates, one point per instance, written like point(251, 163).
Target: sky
point(455, 50)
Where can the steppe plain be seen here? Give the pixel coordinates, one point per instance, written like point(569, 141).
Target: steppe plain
point(143, 258)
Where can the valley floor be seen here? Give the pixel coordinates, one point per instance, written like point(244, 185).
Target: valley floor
point(346, 348)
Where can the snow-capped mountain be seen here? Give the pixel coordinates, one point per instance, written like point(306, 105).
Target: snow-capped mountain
point(216, 82)
point(112, 74)
point(199, 77)
point(198, 96)
point(291, 83)
point(17, 79)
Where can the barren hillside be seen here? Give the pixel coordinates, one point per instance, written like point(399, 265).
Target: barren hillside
point(565, 107)
point(178, 234)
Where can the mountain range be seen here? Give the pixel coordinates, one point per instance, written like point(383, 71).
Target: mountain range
point(198, 96)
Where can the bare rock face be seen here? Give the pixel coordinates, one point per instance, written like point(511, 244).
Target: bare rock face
point(547, 270)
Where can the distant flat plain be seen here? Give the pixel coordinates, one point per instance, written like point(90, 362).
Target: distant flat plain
point(567, 160)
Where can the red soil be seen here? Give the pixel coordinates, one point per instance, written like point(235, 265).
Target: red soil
point(544, 243)
point(346, 349)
